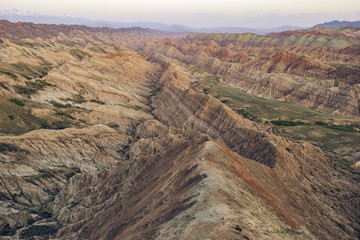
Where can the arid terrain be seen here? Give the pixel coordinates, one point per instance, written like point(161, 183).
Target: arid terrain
point(142, 134)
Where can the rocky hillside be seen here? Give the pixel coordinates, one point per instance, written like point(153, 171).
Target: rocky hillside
point(99, 141)
point(320, 71)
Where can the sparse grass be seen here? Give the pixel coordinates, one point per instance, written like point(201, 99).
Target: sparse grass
point(154, 88)
point(212, 80)
point(43, 173)
point(97, 101)
point(195, 69)
point(97, 49)
point(60, 105)
point(5, 147)
point(7, 72)
point(293, 232)
point(24, 90)
point(17, 102)
point(346, 128)
point(38, 84)
point(25, 70)
point(25, 43)
point(266, 109)
point(77, 53)
point(246, 114)
point(332, 133)
point(136, 107)
point(288, 123)
point(16, 118)
point(38, 230)
point(113, 125)
point(77, 99)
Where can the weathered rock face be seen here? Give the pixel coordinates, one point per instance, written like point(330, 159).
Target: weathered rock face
point(180, 183)
point(176, 184)
point(102, 143)
point(187, 109)
point(310, 69)
point(36, 165)
point(78, 107)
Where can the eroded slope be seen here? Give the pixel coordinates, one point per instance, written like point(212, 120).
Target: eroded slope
point(77, 106)
point(106, 143)
point(180, 183)
point(317, 71)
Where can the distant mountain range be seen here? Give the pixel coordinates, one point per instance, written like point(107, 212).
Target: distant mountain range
point(337, 23)
point(14, 15)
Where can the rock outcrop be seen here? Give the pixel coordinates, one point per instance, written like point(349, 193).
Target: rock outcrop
point(312, 70)
point(68, 109)
point(200, 174)
point(99, 142)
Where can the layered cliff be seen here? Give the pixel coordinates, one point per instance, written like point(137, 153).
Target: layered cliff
point(67, 107)
point(100, 142)
point(316, 71)
point(205, 172)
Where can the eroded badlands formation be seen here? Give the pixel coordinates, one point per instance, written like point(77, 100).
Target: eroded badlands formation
point(310, 68)
point(102, 142)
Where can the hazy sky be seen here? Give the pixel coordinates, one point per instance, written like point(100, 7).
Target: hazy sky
point(200, 13)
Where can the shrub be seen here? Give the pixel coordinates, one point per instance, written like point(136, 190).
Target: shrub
point(59, 105)
point(17, 102)
point(38, 84)
point(345, 128)
point(287, 123)
point(113, 125)
point(97, 101)
point(24, 90)
point(5, 147)
point(38, 230)
point(77, 99)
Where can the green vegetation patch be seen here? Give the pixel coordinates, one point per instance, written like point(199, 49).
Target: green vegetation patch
point(77, 99)
point(25, 70)
point(60, 105)
point(268, 109)
point(347, 128)
point(97, 101)
point(6, 147)
point(64, 118)
point(77, 53)
point(334, 134)
point(136, 107)
point(15, 117)
point(26, 43)
point(212, 80)
point(288, 123)
point(39, 230)
point(31, 87)
point(154, 88)
point(25, 90)
point(113, 125)
point(17, 102)
point(38, 84)
point(97, 49)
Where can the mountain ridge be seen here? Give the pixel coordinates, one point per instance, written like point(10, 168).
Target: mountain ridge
point(143, 134)
point(337, 23)
point(15, 15)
